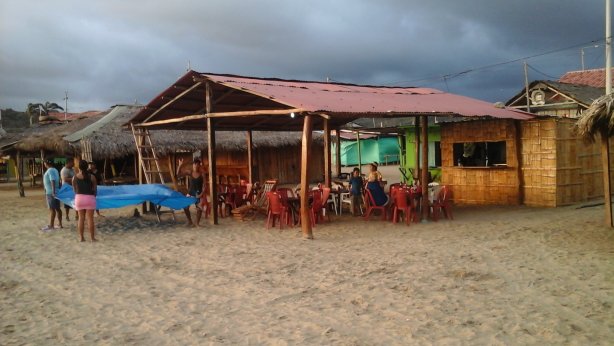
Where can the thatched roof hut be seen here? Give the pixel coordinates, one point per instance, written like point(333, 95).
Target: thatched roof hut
point(598, 119)
point(110, 138)
point(46, 136)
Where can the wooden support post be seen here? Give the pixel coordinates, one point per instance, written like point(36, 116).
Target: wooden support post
point(250, 158)
point(607, 185)
point(338, 151)
point(172, 170)
point(518, 140)
point(211, 157)
point(19, 169)
point(358, 146)
point(306, 147)
point(424, 178)
point(327, 153)
point(417, 147)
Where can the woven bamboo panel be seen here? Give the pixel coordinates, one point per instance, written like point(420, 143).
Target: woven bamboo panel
point(480, 185)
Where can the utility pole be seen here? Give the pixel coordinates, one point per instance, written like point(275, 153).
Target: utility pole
point(605, 142)
point(526, 86)
point(65, 105)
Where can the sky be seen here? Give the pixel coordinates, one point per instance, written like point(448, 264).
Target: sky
point(108, 52)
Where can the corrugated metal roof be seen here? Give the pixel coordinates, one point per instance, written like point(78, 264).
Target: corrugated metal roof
point(594, 78)
point(346, 98)
point(342, 102)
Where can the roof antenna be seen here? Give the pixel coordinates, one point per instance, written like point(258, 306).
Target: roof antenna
point(65, 105)
point(189, 66)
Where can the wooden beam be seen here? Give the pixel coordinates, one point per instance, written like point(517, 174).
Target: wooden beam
point(306, 148)
point(173, 100)
point(229, 85)
point(424, 178)
point(279, 112)
point(250, 158)
point(327, 154)
point(19, 168)
point(211, 157)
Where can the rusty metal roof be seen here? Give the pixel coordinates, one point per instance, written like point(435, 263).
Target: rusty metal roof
point(594, 78)
point(342, 102)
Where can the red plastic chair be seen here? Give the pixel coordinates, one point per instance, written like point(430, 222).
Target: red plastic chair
point(370, 204)
point(401, 197)
point(276, 210)
point(325, 195)
point(443, 204)
point(317, 206)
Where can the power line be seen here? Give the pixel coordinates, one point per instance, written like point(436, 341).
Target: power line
point(470, 70)
point(542, 73)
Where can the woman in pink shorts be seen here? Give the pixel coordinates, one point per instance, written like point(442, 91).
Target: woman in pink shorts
point(85, 186)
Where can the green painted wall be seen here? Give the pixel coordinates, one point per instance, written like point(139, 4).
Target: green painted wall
point(434, 134)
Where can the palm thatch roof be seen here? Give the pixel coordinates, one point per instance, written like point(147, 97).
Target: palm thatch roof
point(598, 119)
point(47, 136)
point(109, 138)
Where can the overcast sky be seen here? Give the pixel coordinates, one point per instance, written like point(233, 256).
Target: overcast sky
point(106, 52)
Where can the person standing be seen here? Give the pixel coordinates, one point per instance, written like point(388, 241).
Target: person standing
point(356, 186)
point(196, 182)
point(51, 182)
point(85, 185)
point(94, 171)
point(67, 173)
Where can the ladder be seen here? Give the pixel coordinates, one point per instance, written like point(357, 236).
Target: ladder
point(149, 162)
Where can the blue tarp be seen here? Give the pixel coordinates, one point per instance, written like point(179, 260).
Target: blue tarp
point(123, 195)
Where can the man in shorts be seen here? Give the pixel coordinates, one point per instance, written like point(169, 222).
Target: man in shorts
point(67, 173)
point(51, 181)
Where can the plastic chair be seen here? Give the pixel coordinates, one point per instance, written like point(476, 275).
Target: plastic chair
point(276, 210)
point(345, 198)
point(316, 206)
point(326, 201)
point(442, 203)
point(400, 204)
point(370, 204)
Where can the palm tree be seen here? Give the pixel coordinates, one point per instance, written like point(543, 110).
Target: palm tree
point(41, 108)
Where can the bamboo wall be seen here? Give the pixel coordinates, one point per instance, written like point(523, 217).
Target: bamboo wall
point(558, 167)
point(480, 185)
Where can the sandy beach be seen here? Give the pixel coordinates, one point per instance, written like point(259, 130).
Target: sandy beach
point(492, 276)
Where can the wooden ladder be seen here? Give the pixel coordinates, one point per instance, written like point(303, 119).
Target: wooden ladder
point(149, 162)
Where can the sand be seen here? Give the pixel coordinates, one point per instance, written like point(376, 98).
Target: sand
point(494, 276)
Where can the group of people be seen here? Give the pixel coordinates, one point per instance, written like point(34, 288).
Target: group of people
point(85, 184)
point(373, 184)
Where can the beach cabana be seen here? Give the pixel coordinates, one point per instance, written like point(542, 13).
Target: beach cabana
point(216, 102)
point(107, 139)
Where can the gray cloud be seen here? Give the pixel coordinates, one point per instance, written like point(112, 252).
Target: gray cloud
point(116, 51)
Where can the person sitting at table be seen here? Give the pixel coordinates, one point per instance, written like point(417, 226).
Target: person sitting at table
point(196, 182)
point(373, 184)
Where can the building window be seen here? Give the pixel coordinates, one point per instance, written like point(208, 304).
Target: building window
point(434, 154)
point(480, 154)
